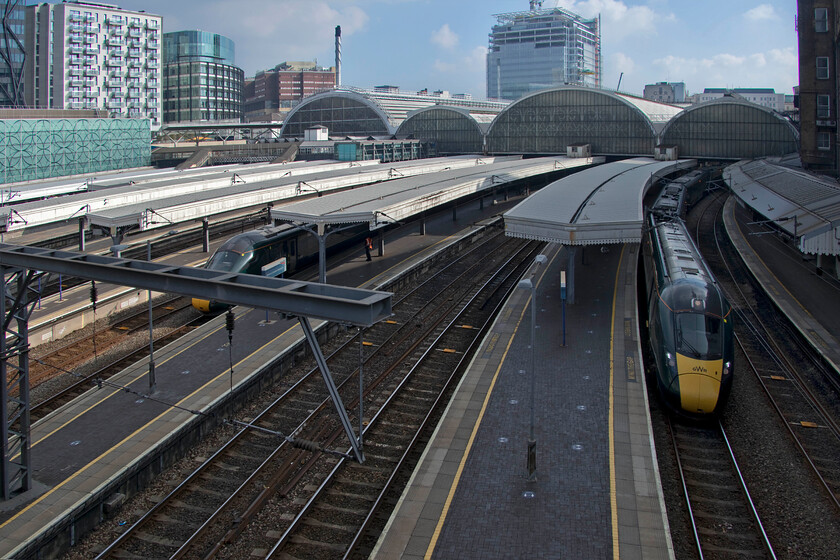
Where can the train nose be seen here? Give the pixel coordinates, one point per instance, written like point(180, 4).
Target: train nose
point(202, 305)
point(698, 393)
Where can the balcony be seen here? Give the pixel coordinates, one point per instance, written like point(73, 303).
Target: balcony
point(115, 82)
point(134, 73)
point(91, 71)
point(116, 40)
point(114, 62)
point(75, 61)
point(75, 28)
point(91, 83)
point(152, 45)
point(75, 72)
point(134, 43)
point(75, 105)
point(90, 61)
point(152, 64)
point(114, 104)
point(152, 105)
point(76, 49)
point(152, 24)
point(90, 17)
point(135, 23)
point(92, 50)
point(76, 17)
point(74, 94)
point(114, 20)
point(75, 38)
point(90, 30)
point(76, 82)
point(91, 94)
point(134, 32)
point(90, 40)
point(91, 105)
point(134, 63)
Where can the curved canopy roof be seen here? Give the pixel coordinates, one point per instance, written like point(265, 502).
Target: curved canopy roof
point(595, 206)
point(802, 204)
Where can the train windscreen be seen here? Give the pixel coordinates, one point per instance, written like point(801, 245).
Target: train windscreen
point(699, 335)
point(226, 261)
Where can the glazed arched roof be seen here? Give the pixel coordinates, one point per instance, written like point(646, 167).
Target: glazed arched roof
point(731, 128)
point(549, 120)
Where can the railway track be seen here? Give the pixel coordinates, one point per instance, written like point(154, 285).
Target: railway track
point(724, 520)
point(288, 450)
point(801, 391)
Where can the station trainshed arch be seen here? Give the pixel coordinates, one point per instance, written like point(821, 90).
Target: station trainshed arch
point(730, 128)
point(548, 121)
point(345, 113)
point(454, 130)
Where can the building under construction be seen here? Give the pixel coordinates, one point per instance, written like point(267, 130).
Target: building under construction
point(542, 48)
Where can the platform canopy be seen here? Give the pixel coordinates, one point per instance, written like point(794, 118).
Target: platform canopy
point(804, 205)
point(400, 199)
point(164, 212)
point(596, 206)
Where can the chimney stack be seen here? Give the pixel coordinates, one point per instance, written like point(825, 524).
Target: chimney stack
point(337, 56)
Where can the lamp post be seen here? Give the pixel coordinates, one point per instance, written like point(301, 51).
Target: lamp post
point(529, 284)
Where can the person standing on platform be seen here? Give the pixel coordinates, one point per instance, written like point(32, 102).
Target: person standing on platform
point(368, 246)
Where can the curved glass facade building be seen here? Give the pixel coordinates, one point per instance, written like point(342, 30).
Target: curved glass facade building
point(200, 80)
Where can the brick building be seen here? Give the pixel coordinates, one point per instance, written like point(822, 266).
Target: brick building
point(272, 93)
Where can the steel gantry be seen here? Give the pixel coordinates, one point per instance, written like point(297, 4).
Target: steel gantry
point(22, 268)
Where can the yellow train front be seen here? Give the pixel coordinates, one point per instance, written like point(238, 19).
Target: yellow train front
point(690, 323)
point(692, 340)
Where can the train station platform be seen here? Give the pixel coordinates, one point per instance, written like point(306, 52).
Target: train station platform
point(87, 453)
point(808, 296)
point(596, 493)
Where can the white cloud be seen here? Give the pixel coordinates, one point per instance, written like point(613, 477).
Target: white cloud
point(444, 37)
point(762, 12)
point(618, 19)
point(762, 69)
point(472, 62)
point(269, 32)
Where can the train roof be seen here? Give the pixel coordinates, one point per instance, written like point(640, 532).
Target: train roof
point(680, 256)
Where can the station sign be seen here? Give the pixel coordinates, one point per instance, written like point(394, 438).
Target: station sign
point(275, 268)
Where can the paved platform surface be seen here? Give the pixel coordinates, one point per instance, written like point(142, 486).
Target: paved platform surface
point(83, 446)
point(597, 490)
point(808, 296)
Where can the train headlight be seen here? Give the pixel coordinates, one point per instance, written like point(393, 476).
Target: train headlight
point(671, 361)
point(727, 368)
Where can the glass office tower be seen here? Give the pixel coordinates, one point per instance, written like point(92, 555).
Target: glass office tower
point(539, 48)
point(200, 81)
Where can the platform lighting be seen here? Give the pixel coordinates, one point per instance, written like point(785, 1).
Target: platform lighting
point(529, 284)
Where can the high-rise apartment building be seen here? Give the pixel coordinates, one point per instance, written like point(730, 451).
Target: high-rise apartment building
point(541, 48)
point(11, 53)
point(201, 82)
point(86, 55)
point(819, 84)
point(274, 92)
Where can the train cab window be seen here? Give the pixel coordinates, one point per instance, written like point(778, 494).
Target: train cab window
point(699, 336)
point(226, 261)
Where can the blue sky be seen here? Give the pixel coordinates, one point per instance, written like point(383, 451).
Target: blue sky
point(441, 44)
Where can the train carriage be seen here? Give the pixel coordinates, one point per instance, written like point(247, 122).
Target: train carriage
point(689, 319)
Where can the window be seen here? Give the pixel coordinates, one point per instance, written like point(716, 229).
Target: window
point(822, 68)
point(820, 20)
point(823, 140)
point(823, 106)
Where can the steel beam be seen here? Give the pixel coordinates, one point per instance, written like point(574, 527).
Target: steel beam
point(353, 306)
